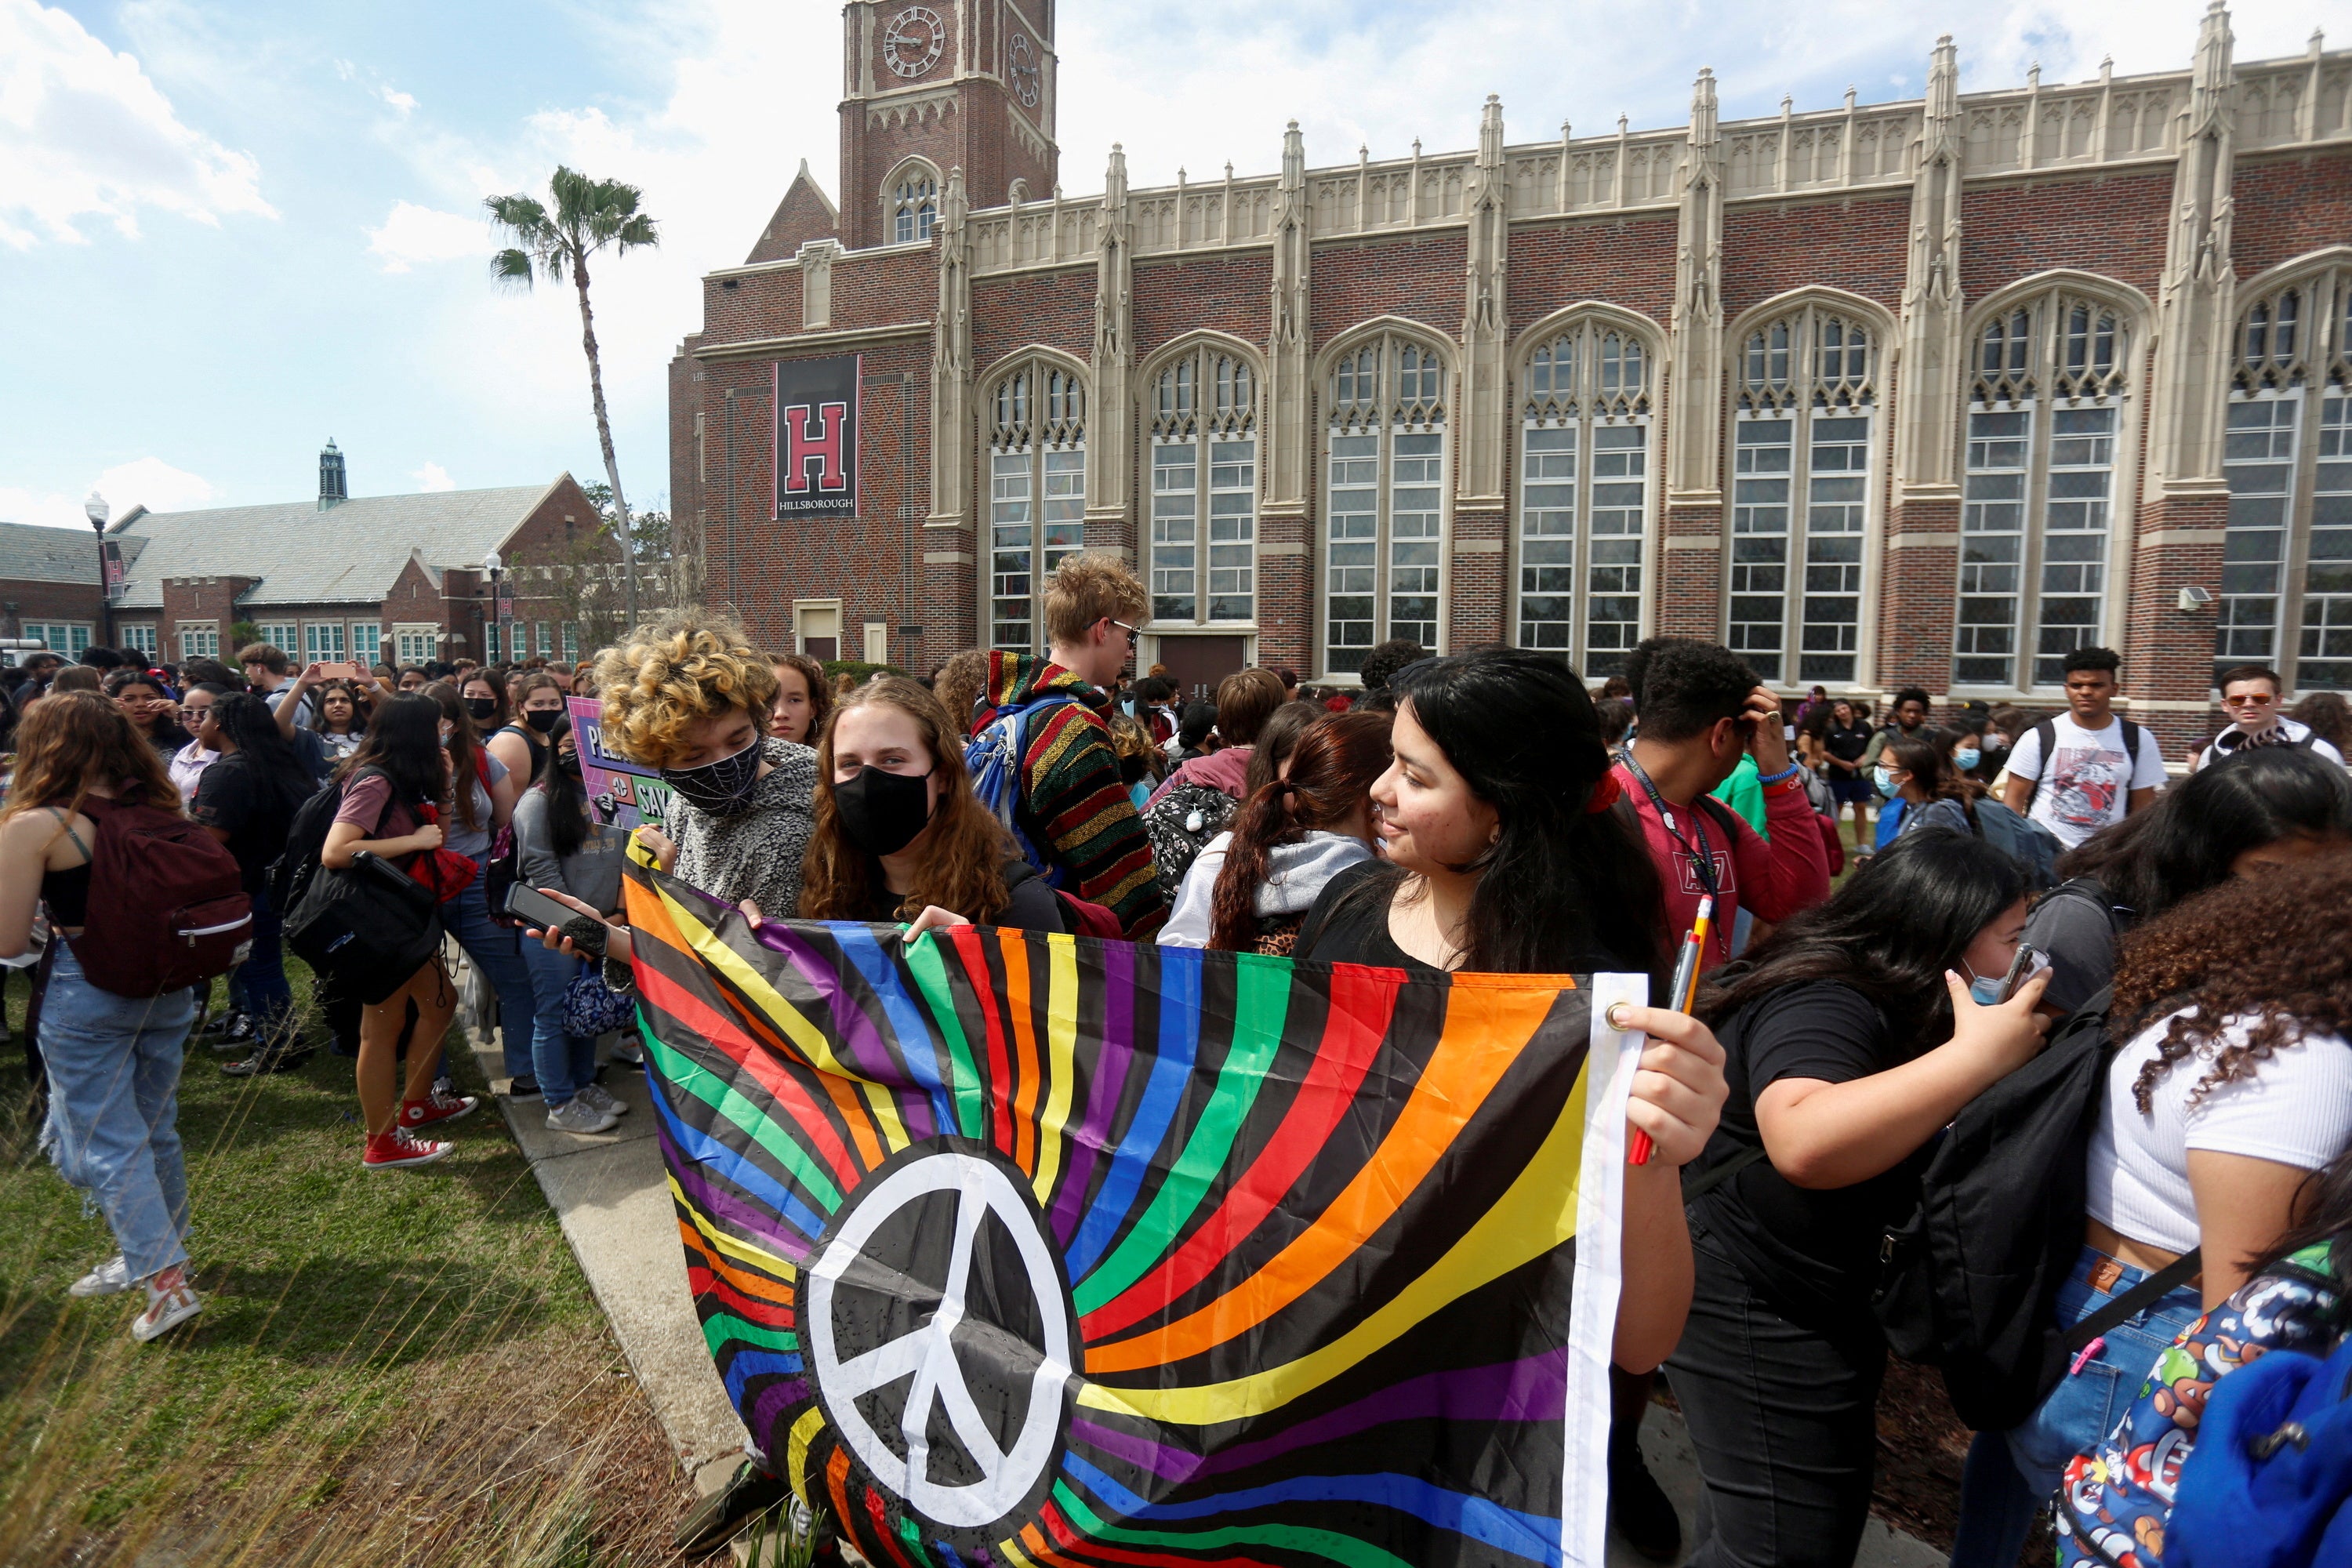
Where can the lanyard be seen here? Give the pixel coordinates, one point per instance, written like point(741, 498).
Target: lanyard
point(1702, 859)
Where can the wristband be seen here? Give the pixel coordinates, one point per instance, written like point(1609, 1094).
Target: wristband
point(1783, 776)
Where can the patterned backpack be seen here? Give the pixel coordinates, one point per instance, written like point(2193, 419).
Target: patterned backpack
point(992, 757)
point(1180, 824)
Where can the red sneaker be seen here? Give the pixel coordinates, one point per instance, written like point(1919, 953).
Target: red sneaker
point(395, 1150)
point(440, 1107)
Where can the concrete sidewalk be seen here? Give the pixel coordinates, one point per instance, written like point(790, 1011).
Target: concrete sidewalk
point(612, 1198)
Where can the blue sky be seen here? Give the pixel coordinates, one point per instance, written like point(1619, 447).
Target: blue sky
point(228, 232)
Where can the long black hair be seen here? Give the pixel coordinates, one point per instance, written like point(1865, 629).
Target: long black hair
point(2189, 840)
point(1890, 931)
point(248, 720)
point(403, 741)
point(1560, 886)
point(567, 796)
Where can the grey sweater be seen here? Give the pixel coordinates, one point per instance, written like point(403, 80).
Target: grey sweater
point(592, 875)
point(755, 855)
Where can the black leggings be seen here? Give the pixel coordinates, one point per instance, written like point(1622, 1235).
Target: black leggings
point(1784, 1420)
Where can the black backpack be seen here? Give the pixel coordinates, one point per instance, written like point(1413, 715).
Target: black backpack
point(1970, 1282)
point(305, 840)
point(1180, 824)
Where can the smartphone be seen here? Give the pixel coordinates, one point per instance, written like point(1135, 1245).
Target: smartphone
point(538, 910)
point(2028, 963)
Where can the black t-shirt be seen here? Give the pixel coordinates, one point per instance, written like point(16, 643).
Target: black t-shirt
point(1342, 929)
point(1033, 906)
point(1813, 1253)
point(1846, 742)
point(253, 807)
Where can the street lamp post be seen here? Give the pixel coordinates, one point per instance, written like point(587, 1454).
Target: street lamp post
point(495, 648)
point(97, 511)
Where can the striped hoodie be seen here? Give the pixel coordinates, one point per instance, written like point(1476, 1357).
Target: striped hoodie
point(1074, 805)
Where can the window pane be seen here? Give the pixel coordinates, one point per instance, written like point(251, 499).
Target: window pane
point(2259, 461)
point(1351, 559)
point(2074, 537)
point(1175, 532)
point(1992, 548)
point(1232, 527)
point(1612, 605)
point(1759, 544)
point(1010, 579)
point(2325, 648)
point(1547, 537)
point(1836, 499)
point(1415, 510)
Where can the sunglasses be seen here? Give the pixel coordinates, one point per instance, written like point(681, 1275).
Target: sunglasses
point(1134, 635)
point(2249, 700)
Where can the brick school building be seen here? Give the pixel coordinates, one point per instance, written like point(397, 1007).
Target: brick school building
point(1881, 394)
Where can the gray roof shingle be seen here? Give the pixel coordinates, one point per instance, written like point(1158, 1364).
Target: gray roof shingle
point(350, 555)
point(30, 553)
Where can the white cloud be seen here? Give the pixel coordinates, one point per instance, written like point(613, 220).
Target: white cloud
point(433, 477)
point(84, 134)
point(412, 234)
point(400, 100)
point(145, 481)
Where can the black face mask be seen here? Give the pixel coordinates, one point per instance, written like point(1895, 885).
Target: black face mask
point(481, 708)
point(543, 718)
point(883, 813)
point(571, 765)
point(723, 788)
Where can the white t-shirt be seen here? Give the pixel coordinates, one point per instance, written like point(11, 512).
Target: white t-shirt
point(2090, 783)
point(2233, 741)
point(2296, 1110)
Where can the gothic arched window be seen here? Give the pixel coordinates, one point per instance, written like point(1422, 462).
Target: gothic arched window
point(2046, 383)
point(1802, 408)
point(2286, 573)
point(1202, 415)
point(914, 208)
point(1036, 417)
point(1384, 526)
point(1584, 463)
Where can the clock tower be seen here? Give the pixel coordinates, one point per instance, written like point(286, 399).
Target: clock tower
point(934, 85)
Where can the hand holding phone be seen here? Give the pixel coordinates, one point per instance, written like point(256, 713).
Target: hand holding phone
point(2021, 968)
point(535, 908)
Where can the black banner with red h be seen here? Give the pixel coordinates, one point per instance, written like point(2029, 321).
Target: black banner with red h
point(816, 437)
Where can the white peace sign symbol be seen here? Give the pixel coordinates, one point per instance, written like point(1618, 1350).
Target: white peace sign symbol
point(1007, 1475)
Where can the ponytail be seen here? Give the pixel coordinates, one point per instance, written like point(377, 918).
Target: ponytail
point(1332, 769)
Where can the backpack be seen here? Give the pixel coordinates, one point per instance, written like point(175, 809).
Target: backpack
point(2024, 840)
point(2048, 733)
point(1969, 1281)
point(2270, 1483)
point(1180, 824)
point(993, 758)
point(167, 904)
point(305, 840)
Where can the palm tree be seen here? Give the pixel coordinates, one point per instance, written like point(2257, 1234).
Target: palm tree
point(589, 215)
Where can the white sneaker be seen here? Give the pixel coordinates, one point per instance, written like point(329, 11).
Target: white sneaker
point(166, 1311)
point(577, 1115)
point(110, 1278)
point(604, 1099)
point(629, 1054)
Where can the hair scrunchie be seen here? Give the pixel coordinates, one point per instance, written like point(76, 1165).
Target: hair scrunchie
point(1605, 792)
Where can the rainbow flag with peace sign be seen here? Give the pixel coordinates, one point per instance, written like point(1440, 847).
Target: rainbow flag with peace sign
point(1042, 1251)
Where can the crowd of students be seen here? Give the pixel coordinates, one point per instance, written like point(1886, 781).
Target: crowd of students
point(1481, 811)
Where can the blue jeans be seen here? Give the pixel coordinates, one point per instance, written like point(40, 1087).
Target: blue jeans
point(564, 1063)
point(113, 1127)
point(2010, 1475)
point(261, 978)
point(496, 953)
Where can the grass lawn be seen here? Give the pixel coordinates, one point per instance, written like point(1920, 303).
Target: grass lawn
point(407, 1365)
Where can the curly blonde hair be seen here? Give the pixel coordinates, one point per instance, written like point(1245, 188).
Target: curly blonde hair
point(1085, 588)
point(672, 673)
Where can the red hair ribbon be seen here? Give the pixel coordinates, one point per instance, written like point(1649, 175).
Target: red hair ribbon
point(1604, 794)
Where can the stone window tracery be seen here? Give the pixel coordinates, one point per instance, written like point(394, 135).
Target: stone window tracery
point(1584, 462)
point(1803, 412)
point(1036, 417)
point(2047, 386)
point(914, 207)
point(2286, 573)
point(1203, 414)
point(1384, 521)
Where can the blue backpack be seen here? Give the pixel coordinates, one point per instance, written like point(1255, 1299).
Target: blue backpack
point(992, 757)
point(2024, 840)
point(2270, 1483)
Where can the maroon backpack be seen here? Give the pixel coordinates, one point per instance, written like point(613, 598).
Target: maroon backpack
point(167, 907)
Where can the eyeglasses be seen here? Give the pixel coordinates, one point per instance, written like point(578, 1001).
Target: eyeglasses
point(1133, 636)
point(2249, 700)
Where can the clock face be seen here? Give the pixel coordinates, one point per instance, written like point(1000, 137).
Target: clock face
point(914, 40)
point(1024, 69)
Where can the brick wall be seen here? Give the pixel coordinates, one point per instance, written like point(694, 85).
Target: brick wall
point(1857, 246)
point(2111, 224)
point(23, 599)
point(1056, 309)
point(1354, 281)
point(2288, 206)
point(1915, 595)
point(2168, 652)
point(1224, 294)
point(1624, 262)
